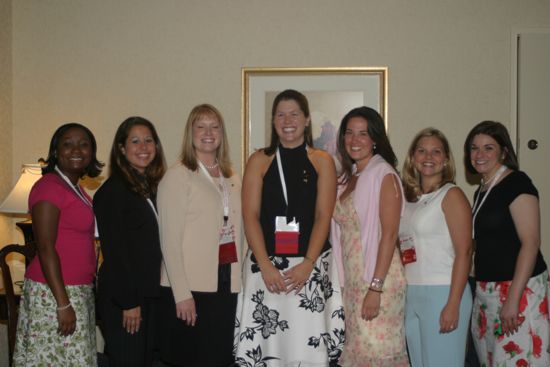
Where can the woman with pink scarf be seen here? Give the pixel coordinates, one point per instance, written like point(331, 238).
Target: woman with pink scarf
point(364, 234)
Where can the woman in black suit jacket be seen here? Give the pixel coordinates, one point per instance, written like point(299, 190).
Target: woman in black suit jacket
point(129, 278)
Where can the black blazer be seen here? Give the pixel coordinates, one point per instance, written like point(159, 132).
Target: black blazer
point(129, 236)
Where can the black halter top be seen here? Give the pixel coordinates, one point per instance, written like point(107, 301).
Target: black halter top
point(301, 183)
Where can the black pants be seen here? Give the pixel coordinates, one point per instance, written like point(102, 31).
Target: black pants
point(210, 342)
point(122, 348)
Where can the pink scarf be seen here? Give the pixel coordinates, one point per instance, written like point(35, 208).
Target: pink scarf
point(366, 199)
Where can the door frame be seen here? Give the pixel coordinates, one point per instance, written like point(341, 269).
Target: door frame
point(516, 31)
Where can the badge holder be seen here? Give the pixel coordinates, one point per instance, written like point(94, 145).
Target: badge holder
point(228, 250)
point(407, 249)
point(286, 236)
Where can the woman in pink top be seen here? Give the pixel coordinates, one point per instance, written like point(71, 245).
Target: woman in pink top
point(364, 237)
point(57, 316)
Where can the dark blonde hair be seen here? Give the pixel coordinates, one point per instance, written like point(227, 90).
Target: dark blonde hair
point(188, 155)
point(119, 165)
point(412, 184)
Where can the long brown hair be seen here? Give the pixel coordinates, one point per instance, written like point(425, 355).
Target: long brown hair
point(497, 131)
point(120, 166)
point(412, 184)
point(188, 155)
point(377, 132)
point(301, 100)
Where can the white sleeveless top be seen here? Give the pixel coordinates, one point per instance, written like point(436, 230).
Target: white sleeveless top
point(425, 221)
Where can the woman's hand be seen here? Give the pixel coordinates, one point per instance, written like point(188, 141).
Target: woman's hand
point(448, 319)
point(185, 311)
point(371, 305)
point(66, 321)
point(273, 280)
point(510, 318)
point(296, 277)
point(131, 319)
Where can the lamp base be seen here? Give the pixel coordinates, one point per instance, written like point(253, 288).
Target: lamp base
point(26, 228)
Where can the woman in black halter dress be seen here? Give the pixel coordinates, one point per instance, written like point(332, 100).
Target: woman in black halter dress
point(291, 309)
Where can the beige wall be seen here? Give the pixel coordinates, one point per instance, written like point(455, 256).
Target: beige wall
point(5, 114)
point(100, 61)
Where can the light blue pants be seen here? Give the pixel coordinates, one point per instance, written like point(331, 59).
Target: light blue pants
point(427, 346)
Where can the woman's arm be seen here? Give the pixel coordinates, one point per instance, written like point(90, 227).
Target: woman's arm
point(296, 277)
point(458, 216)
point(390, 214)
point(172, 206)
point(251, 204)
point(45, 217)
point(526, 216)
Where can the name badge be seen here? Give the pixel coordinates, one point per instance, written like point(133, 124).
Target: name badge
point(407, 249)
point(286, 236)
point(228, 249)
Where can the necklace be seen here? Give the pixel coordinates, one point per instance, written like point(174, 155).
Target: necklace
point(485, 182)
point(212, 166)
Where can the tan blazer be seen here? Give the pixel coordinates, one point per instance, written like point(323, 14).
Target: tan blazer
point(190, 219)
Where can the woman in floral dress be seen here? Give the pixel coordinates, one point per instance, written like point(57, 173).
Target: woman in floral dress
point(510, 323)
point(364, 237)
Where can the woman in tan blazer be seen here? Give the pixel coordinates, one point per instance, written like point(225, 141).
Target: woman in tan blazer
point(200, 229)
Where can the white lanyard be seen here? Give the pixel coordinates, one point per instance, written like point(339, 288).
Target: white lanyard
point(476, 207)
point(153, 208)
point(76, 189)
point(224, 193)
point(282, 175)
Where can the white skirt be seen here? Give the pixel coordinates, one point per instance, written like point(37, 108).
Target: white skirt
point(287, 330)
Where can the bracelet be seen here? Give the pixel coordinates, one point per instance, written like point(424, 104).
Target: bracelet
point(375, 290)
point(377, 284)
point(64, 307)
point(310, 260)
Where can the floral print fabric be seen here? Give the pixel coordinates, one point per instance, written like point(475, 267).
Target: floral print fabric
point(379, 342)
point(37, 341)
point(530, 346)
point(304, 329)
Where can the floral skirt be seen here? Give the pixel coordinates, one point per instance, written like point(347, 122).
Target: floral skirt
point(529, 346)
point(379, 342)
point(37, 341)
point(304, 329)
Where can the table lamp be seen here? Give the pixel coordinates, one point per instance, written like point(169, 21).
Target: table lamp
point(17, 200)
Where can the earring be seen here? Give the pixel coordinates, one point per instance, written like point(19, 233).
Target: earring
point(374, 147)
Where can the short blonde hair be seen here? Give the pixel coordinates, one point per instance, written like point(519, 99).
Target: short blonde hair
point(411, 177)
point(188, 155)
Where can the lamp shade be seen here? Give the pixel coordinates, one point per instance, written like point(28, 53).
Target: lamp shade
point(17, 200)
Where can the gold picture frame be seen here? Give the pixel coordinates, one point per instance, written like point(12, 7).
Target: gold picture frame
point(331, 91)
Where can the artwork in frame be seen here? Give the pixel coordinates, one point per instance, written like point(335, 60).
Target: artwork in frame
point(331, 93)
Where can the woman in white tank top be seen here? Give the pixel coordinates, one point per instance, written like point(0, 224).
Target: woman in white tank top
point(435, 243)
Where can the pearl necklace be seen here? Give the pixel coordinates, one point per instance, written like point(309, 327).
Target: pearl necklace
point(485, 182)
point(212, 166)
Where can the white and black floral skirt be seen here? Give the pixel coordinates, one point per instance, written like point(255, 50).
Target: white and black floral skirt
point(304, 329)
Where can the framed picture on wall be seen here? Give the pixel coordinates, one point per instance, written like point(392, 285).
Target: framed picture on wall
point(331, 93)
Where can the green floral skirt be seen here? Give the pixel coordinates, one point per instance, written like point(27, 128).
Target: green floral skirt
point(39, 344)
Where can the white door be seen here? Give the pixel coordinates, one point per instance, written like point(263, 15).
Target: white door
point(533, 119)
